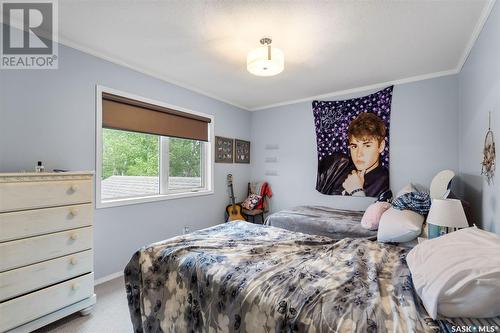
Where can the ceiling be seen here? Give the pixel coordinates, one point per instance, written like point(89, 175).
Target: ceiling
point(330, 47)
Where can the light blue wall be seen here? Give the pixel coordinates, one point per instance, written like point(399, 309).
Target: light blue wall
point(49, 115)
point(423, 141)
point(479, 93)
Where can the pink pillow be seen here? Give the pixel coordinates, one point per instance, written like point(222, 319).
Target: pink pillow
point(372, 215)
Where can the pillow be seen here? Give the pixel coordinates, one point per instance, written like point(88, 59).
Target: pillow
point(458, 274)
point(419, 202)
point(372, 215)
point(407, 189)
point(399, 226)
point(251, 201)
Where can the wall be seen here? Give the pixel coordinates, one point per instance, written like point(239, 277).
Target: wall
point(479, 93)
point(423, 141)
point(49, 115)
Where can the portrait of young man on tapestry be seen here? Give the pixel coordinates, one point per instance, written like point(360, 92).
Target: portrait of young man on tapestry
point(353, 155)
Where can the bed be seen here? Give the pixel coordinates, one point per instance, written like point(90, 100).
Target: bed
point(325, 221)
point(242, 277)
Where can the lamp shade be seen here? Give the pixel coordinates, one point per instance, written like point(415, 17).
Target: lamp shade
point(265, 61)
point(447, 213)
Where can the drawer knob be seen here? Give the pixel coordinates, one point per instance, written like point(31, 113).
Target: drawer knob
point(73, 261)
point(75, 286)
point(74, 236)
point(73, 212)
point(73, 188)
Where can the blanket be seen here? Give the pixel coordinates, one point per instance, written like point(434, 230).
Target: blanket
point(242, 277)
point(325, 221)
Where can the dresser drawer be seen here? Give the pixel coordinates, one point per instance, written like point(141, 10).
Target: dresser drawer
point(29, 195)
point(22, 280)
point(22, 309)
point(15, 225)
point(31, 250)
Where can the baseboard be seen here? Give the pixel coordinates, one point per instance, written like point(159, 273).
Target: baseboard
point(108, 278)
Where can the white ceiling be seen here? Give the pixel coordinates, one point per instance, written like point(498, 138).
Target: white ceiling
point(330, 46)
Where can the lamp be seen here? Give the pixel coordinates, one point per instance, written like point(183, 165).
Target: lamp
point(265, 60)
point(448, 213)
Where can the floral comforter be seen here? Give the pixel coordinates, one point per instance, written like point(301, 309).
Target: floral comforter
point(241, 277)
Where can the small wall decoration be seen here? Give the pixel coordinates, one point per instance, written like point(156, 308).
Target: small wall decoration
point(242, 150)
point(353, 145)
point(223, 150)
point(488, 165)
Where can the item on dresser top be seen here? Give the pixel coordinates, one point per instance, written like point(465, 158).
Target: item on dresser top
point(418, 202)
point(373, 213)
point(39, 167)
point(458, 274)
point(251, 201)
point(320, 220)
point(447, 214)
point(46, 258)
point(60, 170)
point(399, 226)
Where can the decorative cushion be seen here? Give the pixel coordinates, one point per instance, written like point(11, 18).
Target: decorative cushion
point(419, 202)
point(458, 274)
point(251, 201)
point(371, 217)
point(399, 226)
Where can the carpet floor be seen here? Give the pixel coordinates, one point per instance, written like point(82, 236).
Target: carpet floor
point(110, 314)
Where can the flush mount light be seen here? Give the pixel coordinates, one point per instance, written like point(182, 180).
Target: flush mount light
point(265, 60)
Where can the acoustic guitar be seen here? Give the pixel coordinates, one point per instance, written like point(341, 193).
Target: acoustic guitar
point(233, 210)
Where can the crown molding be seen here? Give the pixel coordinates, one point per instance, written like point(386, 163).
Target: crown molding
point(475, 34)
point(69, 43)
point(361, 89)
point(120, 62)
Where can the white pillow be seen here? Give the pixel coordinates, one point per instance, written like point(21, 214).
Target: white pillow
point(399, 225)
point(458, 275)
point(407, 189)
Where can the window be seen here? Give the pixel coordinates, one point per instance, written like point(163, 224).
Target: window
point(137, 163)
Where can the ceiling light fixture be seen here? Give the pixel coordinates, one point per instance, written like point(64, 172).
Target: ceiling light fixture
point(264, 60)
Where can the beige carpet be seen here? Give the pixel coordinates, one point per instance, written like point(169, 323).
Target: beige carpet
point(110, 314)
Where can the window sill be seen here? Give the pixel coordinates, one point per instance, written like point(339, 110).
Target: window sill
point(151, 198)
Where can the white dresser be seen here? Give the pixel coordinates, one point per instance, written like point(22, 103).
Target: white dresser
point(46, 258)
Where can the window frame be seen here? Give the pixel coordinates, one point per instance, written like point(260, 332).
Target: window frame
point(207, 157)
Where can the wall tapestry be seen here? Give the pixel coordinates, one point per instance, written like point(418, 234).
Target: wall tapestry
point(353, 145)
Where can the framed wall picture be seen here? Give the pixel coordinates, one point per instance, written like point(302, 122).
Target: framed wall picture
point(223, 150)
point(242, 151)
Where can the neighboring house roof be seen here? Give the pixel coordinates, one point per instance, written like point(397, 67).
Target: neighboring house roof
point(131, 186)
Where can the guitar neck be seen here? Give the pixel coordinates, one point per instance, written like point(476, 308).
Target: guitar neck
point(233, 201)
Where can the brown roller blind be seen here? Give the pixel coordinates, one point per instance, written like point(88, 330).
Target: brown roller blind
point(131, 115)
